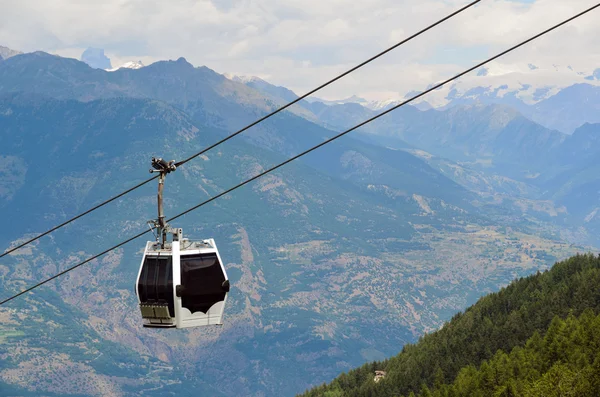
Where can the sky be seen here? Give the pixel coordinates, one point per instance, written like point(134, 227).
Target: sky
point(300, 44)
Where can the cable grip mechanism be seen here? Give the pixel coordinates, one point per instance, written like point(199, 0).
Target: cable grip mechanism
point(163, 167)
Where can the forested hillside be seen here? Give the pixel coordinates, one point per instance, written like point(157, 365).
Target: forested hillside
point(514, 342)
point(566, 362)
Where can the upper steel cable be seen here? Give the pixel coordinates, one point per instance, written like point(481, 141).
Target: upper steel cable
point(249, 125)
point(77, 217)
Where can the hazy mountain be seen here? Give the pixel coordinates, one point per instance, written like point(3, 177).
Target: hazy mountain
point(493, 136)
point(556, 97)
point(496, 152)
point(573, 179)
point(96, 59)
point(569, 109)
point(352, 99)
point(199, 91)
point(279, 95)
point(265, 87)
point(372, 105)
point(6, 53)
point(565, 109)
point(499, 151)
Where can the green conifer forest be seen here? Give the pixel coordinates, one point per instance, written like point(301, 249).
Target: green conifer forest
point(539, 336)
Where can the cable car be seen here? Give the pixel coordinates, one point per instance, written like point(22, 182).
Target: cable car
point(180, 283)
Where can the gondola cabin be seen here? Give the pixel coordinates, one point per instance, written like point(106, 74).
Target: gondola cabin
point(182, 284)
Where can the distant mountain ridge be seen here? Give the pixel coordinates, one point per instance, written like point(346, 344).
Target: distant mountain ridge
point(96, 59)
point(6, 53)
point(488, 136)
point(199, 91)
point(492, 137)
point(555, 97)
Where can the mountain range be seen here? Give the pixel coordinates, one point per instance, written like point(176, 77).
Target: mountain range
point(335, 260)
point(494, 139)
point(6, 53)
point(557, 98)
point(95, 58)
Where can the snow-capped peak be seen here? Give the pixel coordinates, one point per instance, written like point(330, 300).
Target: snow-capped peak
point(378, 105)
point(128, 65)
point(243, 79)
point(525, 83)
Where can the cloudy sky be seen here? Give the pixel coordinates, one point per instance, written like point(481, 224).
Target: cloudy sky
point(301, 43)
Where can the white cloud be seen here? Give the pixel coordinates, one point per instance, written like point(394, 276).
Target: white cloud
point(301, 43)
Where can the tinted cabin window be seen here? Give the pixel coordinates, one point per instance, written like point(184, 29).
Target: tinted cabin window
point(156, 282)
point(202, 280)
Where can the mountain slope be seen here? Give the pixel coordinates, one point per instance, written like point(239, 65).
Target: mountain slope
point(476, 133)
point(566, 361)
point(251, 227)
point(500, 321)
point(564, 109)
point(558, 98)
point(265, 87)
point(205, 95)
point(48, 139)
point(321, 263)
point(568, 109)
point(209, 98)
point(335, 260)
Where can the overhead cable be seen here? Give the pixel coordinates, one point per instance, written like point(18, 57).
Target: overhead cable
point(77, 217)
